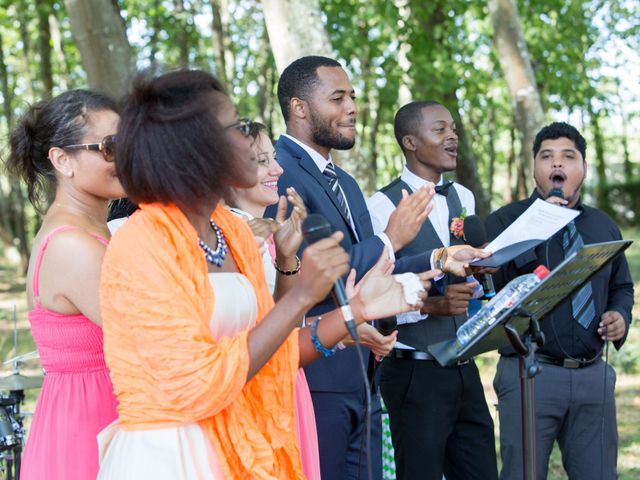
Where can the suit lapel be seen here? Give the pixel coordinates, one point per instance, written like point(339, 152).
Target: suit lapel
point(309, 165)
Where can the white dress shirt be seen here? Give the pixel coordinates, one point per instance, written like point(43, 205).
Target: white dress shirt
point(381, 208)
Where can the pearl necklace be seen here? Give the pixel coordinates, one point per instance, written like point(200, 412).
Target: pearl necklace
point(215, 257)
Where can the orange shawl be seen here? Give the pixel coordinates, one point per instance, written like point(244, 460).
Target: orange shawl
point(168, 370)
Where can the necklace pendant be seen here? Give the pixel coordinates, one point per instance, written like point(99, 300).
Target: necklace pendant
point(215, 257)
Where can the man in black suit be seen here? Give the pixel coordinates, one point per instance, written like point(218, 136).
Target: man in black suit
point(318, 105)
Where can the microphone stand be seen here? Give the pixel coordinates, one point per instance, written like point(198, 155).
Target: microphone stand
point(529, 368)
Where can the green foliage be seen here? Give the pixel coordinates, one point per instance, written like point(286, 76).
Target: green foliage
point(440, 49)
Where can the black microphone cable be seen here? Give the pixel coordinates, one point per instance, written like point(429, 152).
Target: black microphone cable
point(367, 415)
point(315, 227)
point(604, 398)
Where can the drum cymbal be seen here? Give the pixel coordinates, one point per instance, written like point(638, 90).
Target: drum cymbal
point(22, 358)
point(19, 382)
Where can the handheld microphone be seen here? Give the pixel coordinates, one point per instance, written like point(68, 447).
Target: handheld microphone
point(556, 192)
point(476, 236)
point(315, 227)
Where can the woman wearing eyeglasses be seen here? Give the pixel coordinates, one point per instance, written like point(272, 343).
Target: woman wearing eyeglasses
point(250, 203)
point(202, 361)
point(63, 148)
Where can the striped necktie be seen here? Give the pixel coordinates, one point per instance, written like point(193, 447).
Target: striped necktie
point(582, 306)
point(332, 177)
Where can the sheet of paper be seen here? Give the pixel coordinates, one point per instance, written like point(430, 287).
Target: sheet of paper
point(539, 222)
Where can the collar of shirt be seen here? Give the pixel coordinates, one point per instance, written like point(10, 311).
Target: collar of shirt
point(439, 216)
point(413, 180)
point(317, 158)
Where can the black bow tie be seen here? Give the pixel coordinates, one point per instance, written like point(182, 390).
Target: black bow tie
point(444, 188)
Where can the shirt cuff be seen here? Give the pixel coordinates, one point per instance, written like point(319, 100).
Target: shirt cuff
point(411, 317)
point(385, 239)
point(432, 262)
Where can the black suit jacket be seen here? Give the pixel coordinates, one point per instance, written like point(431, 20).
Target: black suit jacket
point(338, 373)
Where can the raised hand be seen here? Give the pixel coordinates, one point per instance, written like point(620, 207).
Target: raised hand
point(406, 220)
point(263, 227)
point(288, 236)
point(456, 259)
point(379, 294)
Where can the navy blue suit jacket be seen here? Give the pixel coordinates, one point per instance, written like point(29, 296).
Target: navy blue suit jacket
point(338, 373)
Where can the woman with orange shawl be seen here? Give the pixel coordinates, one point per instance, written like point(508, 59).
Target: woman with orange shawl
point(203, 363)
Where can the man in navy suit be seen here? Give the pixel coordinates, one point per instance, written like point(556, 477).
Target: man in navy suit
point(318, 105)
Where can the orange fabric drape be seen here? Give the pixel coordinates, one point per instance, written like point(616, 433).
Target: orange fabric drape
point(168, 370)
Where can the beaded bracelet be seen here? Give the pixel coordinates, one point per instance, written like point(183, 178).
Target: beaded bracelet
point(325, 352)
point(288, 272)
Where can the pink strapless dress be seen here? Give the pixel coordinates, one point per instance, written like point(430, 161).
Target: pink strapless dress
point(76, 401)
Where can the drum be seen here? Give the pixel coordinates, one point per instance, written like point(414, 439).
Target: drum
point(8, 437)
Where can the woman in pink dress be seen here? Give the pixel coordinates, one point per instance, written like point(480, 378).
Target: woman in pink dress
point(64, 147)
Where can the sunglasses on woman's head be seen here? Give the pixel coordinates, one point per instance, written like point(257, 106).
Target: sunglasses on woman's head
point(244, 126)
point(107, 147)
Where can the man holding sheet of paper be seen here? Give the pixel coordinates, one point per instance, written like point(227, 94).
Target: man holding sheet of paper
point(574, 394)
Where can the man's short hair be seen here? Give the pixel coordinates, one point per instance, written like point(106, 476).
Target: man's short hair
point(299, 80)
point(557, 130)
point(408, 118)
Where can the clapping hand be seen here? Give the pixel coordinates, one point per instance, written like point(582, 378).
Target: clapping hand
point(407, 219)
point(288, 235)
point(380, 295)
point(263, 227)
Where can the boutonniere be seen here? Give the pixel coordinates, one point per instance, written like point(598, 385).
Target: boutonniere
point(457, 224)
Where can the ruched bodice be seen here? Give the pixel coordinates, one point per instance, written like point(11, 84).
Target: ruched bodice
point(66, 343)
point(76, 400)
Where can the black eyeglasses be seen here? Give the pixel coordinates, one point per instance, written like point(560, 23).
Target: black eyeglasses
point(107, 147)
point(244, 126)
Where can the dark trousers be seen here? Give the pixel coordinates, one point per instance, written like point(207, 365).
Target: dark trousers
point(340, 420)
point(439, 419)
point(573, 406)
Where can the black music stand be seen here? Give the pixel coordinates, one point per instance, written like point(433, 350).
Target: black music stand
point(524, 317)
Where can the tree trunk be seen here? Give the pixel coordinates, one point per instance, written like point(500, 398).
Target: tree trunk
point(525, 98)
point(406, 82)
point(222, 51)
point(7, 94)
point(602, 190)
point(44, 45)
point(628, 166)
point(182, 37)
point(58, 49)
point(12, 204)
point(296, 29)
point(466, 164)
point(273, 105)
point(492, 151)
point(153, 40)
point(99, 33)
point(510, 193)
point(467, 167)
point(23, 20)
point(264, 95)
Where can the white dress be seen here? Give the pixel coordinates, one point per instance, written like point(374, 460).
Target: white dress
point(183, 452)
